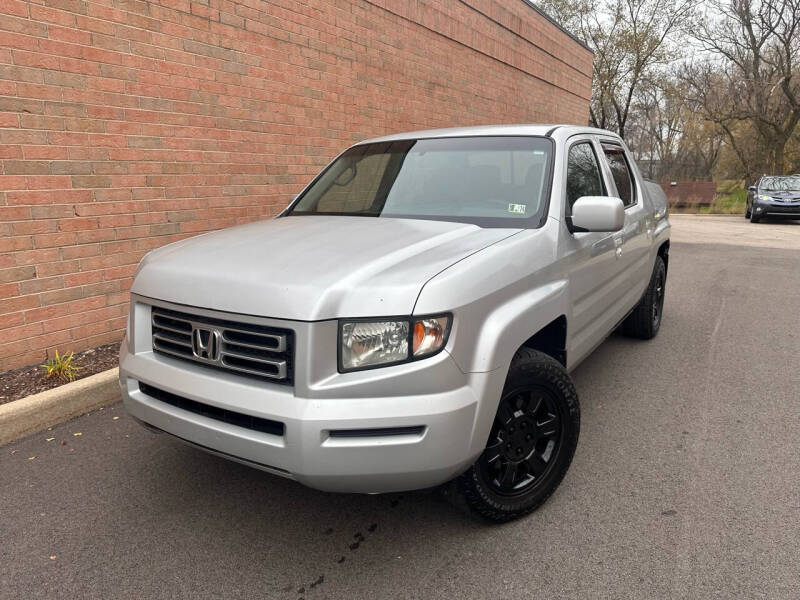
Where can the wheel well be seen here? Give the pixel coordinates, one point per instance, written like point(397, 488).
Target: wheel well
point(551, 339)
point(663, 252)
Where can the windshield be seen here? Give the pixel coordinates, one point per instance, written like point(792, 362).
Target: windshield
point(489, 181)
point(781, 184)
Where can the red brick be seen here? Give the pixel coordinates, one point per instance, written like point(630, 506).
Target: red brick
point(29, 227)
point(11, 320)
point(119, 272)
point(77, 224)
point(37, 257)
point(41, 122)
point(49, 15)
point(46, 152)
point(49, 196)
point(83, 278)
point(83, 251)
point(53, 211)
point(50, 240)
point(14, 7)
point(11, 151)
point(14, 244)
point(18, 303)
point(61, 296)
point(8, 119)
point(20, 333)
point(57, 267)
point(34, 286)
point(64, 322)
point(14, 213)
point(9, 290)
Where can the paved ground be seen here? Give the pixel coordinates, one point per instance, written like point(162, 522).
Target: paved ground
point(686, 483)
point(705, 229)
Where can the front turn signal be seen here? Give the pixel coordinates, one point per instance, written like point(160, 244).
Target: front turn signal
point(430, 335)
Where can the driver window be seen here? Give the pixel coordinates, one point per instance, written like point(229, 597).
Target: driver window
point(583, 174)
point(355, 187)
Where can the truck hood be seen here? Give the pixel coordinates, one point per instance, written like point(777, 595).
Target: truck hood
point(311, 267)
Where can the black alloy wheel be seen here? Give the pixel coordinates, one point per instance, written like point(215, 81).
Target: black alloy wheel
point(658, 298)
point(525, 439)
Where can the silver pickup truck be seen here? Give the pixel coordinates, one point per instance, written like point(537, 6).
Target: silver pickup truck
point(410, 319)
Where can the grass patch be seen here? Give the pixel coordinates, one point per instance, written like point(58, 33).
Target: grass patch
point(730, 203)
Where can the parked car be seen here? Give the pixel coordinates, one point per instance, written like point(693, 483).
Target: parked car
point(410, 319)
point(774, 196)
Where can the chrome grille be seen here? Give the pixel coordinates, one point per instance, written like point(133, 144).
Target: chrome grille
point(243, 348)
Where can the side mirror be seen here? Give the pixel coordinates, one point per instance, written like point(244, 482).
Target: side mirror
point(752, 188)
point(597, 213)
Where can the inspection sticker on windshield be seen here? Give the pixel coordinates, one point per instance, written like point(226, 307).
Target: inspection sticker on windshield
point(517, 209)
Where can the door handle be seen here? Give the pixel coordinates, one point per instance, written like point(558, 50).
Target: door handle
point(618, 241)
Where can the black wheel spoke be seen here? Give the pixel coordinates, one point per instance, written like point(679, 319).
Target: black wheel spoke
point(496, 440)
point(549, 426)
point(492, 456)
point(504, 414)
point(536, 465)
point(508, 475)
point(536, 403)
point(494, 448)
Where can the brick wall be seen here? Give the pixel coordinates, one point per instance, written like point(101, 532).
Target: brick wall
point(128, 124)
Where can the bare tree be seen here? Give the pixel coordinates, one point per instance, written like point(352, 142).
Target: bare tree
point(751, 76)
point(629, 39)
point(669, 139)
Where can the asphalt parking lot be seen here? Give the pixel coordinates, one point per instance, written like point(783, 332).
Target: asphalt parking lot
point(686, 482)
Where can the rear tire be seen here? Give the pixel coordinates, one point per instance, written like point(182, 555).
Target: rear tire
point(531, 444)
point(645, 320)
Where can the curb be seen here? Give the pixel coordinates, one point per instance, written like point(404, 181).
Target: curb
point(39, 411)
point(705, 215)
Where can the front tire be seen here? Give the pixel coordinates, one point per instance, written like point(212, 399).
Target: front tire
point(531, 443)
point(747, 211)
point(754, 218)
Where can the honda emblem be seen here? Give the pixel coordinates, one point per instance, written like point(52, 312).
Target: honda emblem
point(205, 344)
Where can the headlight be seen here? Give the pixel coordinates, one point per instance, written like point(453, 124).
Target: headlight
point(764, 198)
point(377, 343)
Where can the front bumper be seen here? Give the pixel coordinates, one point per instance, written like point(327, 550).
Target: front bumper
point(448, 442)
point(789, 210)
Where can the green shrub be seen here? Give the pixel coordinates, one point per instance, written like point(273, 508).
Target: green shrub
point(62, 367)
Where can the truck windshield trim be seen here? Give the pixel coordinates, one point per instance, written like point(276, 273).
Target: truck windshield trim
point(489, 181)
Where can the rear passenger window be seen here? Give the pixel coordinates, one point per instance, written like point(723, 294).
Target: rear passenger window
point(621, 173)
point(583, 174)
